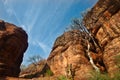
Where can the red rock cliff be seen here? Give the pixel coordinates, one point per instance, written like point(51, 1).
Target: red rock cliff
point(69, 53)
point(104, 23)
point(13, 43)
point(69, 56)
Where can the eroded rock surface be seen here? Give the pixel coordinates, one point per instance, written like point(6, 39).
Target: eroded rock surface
point(35, 70)
point(70, 49)
point(104, 23)
point(68, 56)
point(13, 43)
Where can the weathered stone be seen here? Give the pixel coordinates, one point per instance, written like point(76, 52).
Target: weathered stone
point(104, 22)
point(69, 57)
point(35, 70)
point(69, 51)
point(13, 43)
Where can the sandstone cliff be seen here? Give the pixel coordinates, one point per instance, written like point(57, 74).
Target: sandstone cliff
point(13, 43)
point(104, 23)
point(69, 54)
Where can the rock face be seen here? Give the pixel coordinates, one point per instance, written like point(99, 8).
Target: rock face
point(68, 56)
point(104, 23)
point(13, 43)
point(35, 70)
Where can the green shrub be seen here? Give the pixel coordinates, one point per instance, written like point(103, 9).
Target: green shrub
point(105, 76)
point(116, 76)
point(99, 76)
point(62, 78)
point(48, 72)
point(117, 60)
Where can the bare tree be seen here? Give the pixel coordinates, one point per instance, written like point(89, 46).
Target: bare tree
point(35, 59)
point(23, 67)
point(77, 24)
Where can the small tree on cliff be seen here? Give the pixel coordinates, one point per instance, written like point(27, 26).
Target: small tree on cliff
point(77, 24)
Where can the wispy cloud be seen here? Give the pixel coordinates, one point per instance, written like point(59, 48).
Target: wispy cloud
point(10, 10)
point(5, 2)
point(44, 47)
point(30, 17)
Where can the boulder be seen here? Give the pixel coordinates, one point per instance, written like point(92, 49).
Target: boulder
point(13, 44)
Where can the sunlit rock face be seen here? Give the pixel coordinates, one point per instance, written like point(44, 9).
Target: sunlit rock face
point(69, 52)
point(104, 23)
point(70, 49)
point(13, 43)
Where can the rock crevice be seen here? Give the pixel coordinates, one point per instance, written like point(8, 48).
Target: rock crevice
point(106, 30)
point(103, 23)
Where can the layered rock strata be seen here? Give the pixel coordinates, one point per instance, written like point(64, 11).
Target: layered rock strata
point(69, 56)
point(103, 21)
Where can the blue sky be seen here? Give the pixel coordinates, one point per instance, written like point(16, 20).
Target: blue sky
point(43, 20)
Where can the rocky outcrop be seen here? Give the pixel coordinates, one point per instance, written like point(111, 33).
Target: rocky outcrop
point(69, 56)
point(35, 70)
point(13, 43)
point(104, 23)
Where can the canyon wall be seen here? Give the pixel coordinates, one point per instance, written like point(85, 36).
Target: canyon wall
point(69, 54)
point(103, 21)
